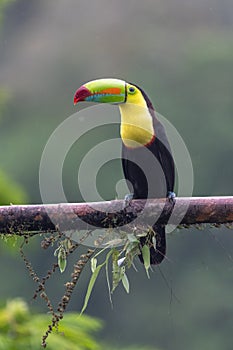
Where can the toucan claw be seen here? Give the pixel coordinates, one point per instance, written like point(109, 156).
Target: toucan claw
point(127, 200)
point(171, 196)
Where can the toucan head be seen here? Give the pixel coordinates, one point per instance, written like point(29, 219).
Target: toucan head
point(107, 90)
point(136, 118)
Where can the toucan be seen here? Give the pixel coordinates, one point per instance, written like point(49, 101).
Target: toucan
point(147, 160)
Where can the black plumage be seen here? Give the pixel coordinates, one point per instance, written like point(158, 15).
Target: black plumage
point(150, 170)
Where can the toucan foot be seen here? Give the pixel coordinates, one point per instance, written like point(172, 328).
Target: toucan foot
point(128, 199)
point(171, 196)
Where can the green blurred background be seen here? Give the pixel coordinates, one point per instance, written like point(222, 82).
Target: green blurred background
point(181, 53)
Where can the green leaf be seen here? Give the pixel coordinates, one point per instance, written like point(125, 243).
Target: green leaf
point(62, 259)
point(131, 251)
point(116, 276)
point(131, 238)
point(146, 258)
point(62, 264)
point(107, 275)
point(90, 286)
point(93, 264)
point(125, 282)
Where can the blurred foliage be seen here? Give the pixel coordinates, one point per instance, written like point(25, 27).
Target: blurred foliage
point(20, 329)
point(3, 4)
point(4, 99)
point(10, 191)
point(10, 242)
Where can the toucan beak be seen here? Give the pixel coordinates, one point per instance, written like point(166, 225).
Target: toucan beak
point(102, 90)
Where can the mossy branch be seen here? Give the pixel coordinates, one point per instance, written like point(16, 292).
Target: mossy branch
point(34, 219)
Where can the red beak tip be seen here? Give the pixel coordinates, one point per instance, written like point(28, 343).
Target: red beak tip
point(81, 94)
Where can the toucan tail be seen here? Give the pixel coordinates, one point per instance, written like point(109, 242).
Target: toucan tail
point(157, 250)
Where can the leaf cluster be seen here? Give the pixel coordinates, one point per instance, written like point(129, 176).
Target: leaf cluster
point(119, 264)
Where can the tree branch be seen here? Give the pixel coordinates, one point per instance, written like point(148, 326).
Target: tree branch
point(18, 219)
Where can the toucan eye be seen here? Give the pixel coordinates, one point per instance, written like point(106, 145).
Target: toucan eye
point(131, 90)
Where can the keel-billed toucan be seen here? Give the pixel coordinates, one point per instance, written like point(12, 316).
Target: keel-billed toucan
point(146, 155)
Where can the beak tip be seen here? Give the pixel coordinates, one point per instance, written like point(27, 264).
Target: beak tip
point(81, 94)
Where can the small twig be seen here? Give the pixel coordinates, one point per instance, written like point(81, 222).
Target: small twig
point(56, 317)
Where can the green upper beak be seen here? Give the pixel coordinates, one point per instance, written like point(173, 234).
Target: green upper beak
point(103, 91)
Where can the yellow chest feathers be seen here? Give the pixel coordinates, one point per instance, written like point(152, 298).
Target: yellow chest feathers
point(136, 124)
